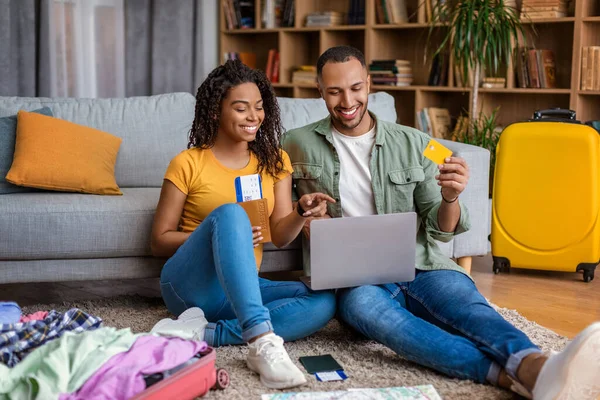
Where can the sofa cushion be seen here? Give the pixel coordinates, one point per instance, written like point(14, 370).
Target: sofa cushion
point(44, 225)
point(154, 128)
point(299, 112)
point(8, 134)
point(54, 154)
point(53, 225)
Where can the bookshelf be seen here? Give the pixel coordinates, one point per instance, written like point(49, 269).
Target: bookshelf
point(300, 45)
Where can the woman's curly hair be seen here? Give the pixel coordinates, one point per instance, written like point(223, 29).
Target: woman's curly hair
point(266, 146)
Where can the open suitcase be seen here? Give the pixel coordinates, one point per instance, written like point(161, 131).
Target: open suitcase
point(187, 381)
point(546, 195)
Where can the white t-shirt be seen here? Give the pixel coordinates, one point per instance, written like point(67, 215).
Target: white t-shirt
point(356, 191)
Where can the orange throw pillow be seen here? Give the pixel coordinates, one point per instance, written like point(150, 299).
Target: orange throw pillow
point(55, 154)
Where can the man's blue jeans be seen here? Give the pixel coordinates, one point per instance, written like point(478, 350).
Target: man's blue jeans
point(215, 269)
point(441, 321)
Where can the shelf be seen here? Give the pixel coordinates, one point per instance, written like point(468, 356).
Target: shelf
point(525, 91)
point(589, 92)
point(403, 26)
point(448, 89)
point(443, 89)
point(300, 45)
point(344, 28)
point(548, 20)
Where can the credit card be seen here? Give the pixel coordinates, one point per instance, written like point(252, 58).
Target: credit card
point(436, 152)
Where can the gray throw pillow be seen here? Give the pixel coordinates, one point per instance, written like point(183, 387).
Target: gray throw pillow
point(8, 136)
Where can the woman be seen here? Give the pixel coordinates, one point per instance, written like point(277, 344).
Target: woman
point(214, 252)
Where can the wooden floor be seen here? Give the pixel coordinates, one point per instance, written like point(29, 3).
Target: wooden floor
point(562, 302)
point(559, 301)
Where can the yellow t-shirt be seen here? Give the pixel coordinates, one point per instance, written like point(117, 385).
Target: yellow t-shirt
point(209, 184)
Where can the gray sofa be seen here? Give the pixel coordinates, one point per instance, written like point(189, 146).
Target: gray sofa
point(53, 236)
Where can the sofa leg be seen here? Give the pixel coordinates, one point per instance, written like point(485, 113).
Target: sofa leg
point(465, 262)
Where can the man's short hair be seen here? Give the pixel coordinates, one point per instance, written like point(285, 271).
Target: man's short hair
point(339, 54)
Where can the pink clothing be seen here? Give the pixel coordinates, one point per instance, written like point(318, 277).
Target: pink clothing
point(122, 377)
point(36, 316)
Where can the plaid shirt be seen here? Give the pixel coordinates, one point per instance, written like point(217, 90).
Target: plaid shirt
point(17, 340)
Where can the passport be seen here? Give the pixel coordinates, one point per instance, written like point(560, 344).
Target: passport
point(258, 213)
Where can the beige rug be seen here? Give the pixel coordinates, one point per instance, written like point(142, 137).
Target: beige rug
point(367, 363)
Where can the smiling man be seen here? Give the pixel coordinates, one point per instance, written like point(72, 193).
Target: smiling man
point(439, 320)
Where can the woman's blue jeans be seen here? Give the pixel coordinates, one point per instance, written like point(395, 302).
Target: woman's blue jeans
point(215, 269)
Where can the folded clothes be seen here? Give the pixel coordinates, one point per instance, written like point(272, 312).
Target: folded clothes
point(36, 316)
point(122, 377)
point(17, 340)
point(10, 312)
point(63, 365)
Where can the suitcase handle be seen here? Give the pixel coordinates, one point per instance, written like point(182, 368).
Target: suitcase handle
point(561, 112)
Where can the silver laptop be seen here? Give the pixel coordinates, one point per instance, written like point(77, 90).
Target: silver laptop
point(356, 251)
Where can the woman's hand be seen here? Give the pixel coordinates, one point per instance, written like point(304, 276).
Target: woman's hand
point(256, 235)
point(315, 204)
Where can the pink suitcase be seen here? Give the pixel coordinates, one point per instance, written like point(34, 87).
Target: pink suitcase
point(189, 382)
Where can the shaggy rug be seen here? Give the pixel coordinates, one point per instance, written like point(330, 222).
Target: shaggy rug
point(367, 363)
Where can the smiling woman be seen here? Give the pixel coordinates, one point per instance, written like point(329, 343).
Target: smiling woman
point(214, 252)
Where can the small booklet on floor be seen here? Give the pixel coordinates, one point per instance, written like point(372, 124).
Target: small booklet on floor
point(423, 392)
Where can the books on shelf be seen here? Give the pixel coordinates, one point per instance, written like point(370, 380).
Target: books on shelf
point(277, 13)
point(391, 72)
point(438, 74)
point(272, 68)
point(356, 13)
point(325, 18)
point(536, 9)
point(435, 122)
point(535, 68)
point(493, 83)
point(305, 75)
point(590, 68)
point(391, 11)
point(246, 57)
point(239, 14)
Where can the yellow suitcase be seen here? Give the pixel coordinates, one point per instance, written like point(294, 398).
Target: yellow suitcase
point(546, 195)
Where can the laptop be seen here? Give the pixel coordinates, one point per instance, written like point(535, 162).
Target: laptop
point(356, 251)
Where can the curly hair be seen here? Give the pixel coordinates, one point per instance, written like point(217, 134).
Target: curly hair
point(266, 146)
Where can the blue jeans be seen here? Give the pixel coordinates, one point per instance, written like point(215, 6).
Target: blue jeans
point(215, 269)
point(441, 321)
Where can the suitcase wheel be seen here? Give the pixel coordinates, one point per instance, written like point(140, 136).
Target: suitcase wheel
point(501, 264)
point(222, 379)
point(588, 271)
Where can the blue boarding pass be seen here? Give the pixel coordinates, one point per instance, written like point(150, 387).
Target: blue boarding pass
point(248, 187)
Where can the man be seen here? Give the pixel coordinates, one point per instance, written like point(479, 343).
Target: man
point(439, 319)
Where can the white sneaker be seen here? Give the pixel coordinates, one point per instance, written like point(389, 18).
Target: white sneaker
point(574, 373)
point(268, 358)
point(190, 325)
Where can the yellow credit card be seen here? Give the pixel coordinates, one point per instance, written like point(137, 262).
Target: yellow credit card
point(436, 152)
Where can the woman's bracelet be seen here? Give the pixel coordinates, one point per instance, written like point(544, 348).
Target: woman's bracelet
point(300, 209)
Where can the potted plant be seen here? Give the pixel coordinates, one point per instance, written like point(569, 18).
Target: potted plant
point(482, 131)
point(477, 34)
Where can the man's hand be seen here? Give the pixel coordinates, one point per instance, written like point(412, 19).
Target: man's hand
point(315, 204)
point(306, 228)
point(453, 177)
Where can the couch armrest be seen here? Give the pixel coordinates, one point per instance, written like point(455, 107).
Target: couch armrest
point(474, 242)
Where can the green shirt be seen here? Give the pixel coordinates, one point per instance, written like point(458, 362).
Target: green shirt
point(403, 180)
